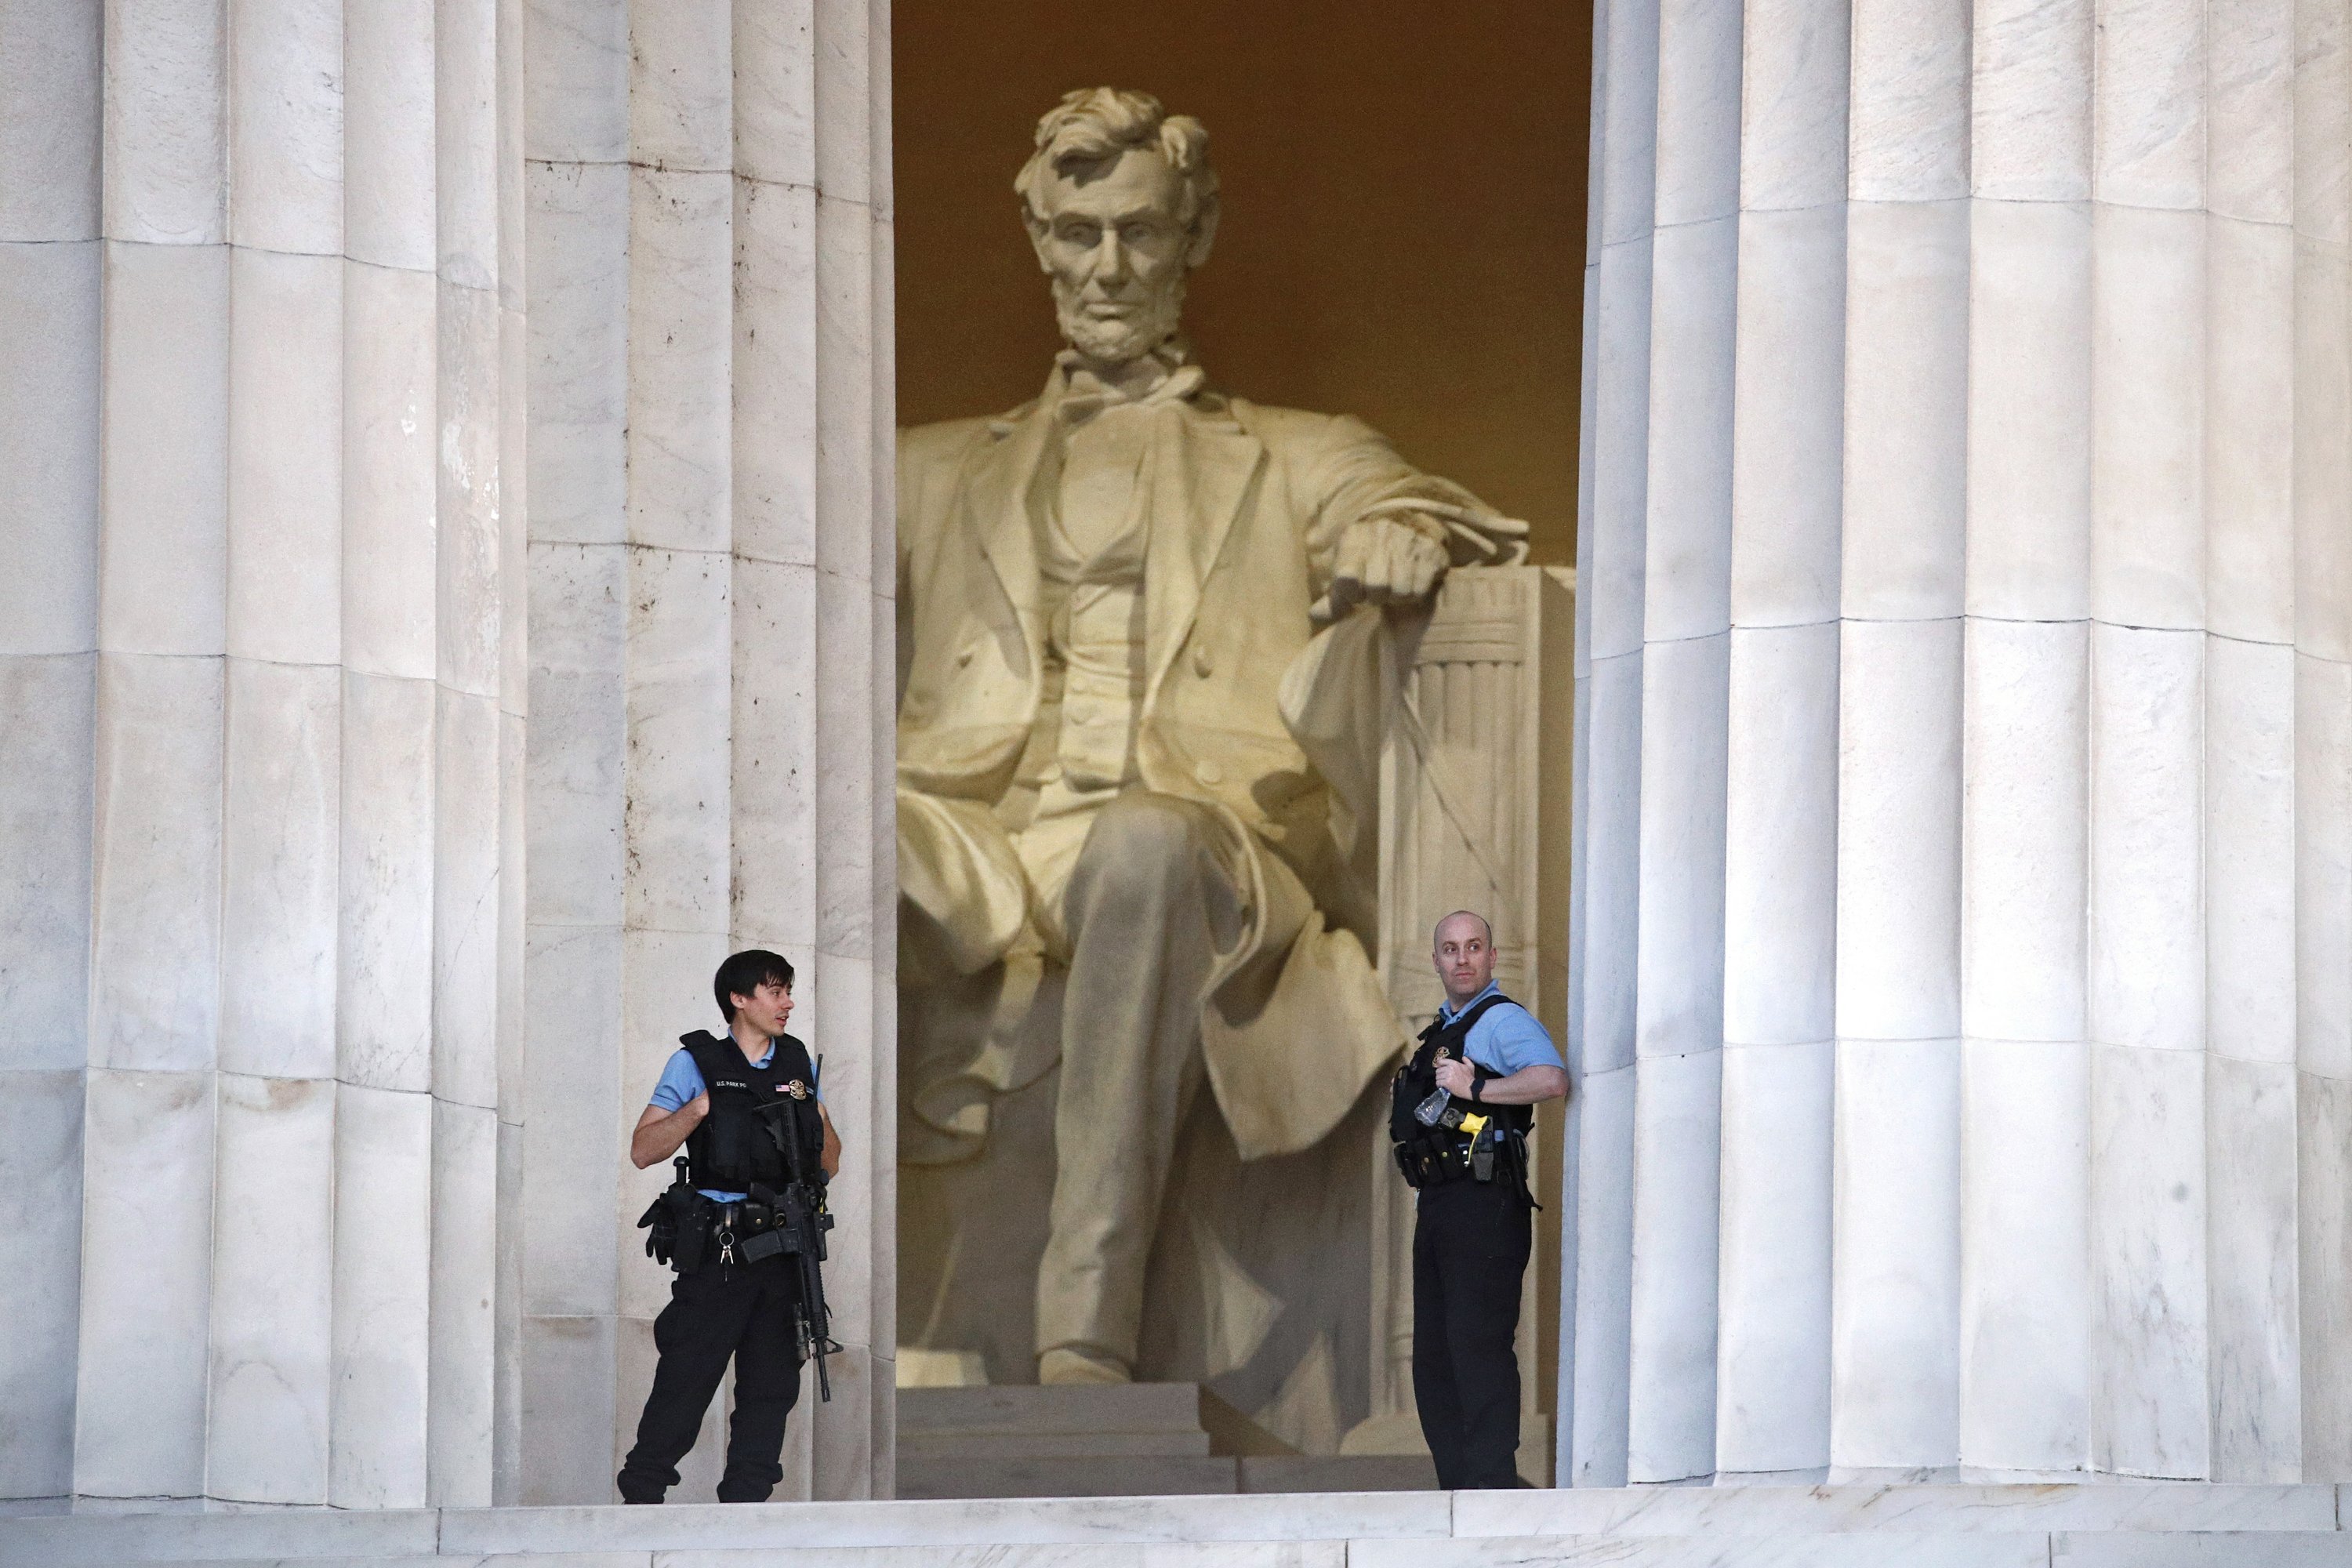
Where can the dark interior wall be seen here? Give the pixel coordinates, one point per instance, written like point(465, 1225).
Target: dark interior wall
point(1403, 232)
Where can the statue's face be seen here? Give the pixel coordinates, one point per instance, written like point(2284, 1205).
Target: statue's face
point(1110, 239)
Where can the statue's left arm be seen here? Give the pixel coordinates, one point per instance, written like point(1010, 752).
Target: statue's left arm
point(1382, 531)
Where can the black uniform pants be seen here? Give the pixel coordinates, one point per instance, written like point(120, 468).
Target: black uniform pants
point(720, 1310)
point(1470, 1242)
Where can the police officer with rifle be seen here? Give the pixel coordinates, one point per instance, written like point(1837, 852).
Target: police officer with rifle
point(1461, 1108)
point(745, 1227)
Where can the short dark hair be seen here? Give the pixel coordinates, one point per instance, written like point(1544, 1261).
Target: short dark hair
point(746, 973)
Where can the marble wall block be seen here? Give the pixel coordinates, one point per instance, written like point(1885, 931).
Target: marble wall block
point(775, 805)
point(677, 690)
point(1895, 1297)
point(138, 1407)
point(1773, 1350)
point(390, 471)
point(1909, 131)
point(2148, 550)
point(853, 394)
point(1678, 962)
point(2029, 418)
point(2250, 457)
point(2249, 835)
point(1781, 836)
point(1625, 98)
point(1898, 830)
point(2250, 111)
point(774, 95)
point(2025, 1312)
point(464, 890)
point(680, 76)
point(2323, 474)
point(2252, 1273)
point(163, 568)
point(567, 1390)
point(2323, 878)
point(280, 920)
point(575, 105)
point(1612, 794)
point(1793, 83)
point(571, 1155)
point(2148, 141)
point(681, 260)
point(2024, 837)
point(578, 228)
point(285, 125)
point(389, 141)
point(851, 38)
point(1906, 351)
point(272, 1290)
point(2030, 101)
point(49, 352)
point(1603, 1281)
point(1698, 110)
point(45, 859)
point(466, 153)
point(50, 82)
point(506, 1348)
point(460, 1374)
point(775, 369)
point(1677, 1140)
point(2146, 925)
point(2323, 1282)
point(383, 1284)
point(155, 876)
point(384, 978)
point(285, 566)
point(852, 803)
point(579, 737)
point(1789, 416)
point(467, 545)
point(2150, 1310)
point(40, 1245)
point(1686, 582)
point(165, 147)
point(1612, 597)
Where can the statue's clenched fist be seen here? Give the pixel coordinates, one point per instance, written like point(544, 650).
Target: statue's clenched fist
point(1384, 561)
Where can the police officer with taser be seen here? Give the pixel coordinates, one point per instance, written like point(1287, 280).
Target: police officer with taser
point(743, 1226)
point(1462, 1106)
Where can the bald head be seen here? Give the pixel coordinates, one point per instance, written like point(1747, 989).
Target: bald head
point(1463, 950)
point(1467, 920)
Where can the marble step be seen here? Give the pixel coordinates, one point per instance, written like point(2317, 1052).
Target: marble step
point(2090, 1525)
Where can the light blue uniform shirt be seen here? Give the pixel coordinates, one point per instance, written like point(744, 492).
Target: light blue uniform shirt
point(681, 1080)
point(1505, 1038)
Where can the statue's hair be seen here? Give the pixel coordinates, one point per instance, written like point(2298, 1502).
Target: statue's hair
point(1443, 920)
point(1095, 124)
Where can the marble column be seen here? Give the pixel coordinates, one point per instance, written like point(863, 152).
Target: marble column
point(710, 581)
point(1965, 757)
point(262, 789)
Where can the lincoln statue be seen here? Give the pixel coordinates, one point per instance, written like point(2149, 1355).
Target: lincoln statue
point(1140, 660)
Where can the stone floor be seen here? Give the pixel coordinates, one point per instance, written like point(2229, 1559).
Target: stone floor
point(2111, 1525)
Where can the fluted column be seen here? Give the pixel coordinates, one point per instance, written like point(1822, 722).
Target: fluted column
point(264, 878)
point(2005, 868)
point(711, 576)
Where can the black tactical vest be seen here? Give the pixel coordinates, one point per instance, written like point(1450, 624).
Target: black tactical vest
point(739, 1142)
point(1417, 1080)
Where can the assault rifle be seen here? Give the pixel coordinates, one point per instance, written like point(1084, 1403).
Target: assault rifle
point(802, 1220)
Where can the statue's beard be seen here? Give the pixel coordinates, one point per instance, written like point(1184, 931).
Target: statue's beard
point(1127, 339)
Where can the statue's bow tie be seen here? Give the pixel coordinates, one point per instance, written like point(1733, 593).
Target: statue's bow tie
point(1088, 394)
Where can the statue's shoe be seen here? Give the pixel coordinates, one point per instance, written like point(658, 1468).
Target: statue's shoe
point(1068, 1363)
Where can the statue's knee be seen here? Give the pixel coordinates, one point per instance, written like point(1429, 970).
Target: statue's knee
point(1141, 839)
